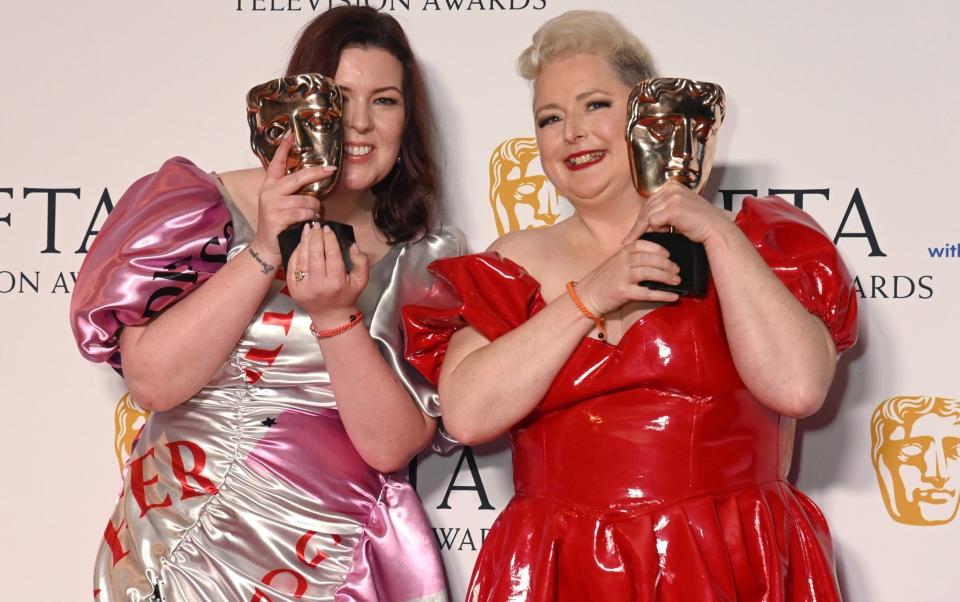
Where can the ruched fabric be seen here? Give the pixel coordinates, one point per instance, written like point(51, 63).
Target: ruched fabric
point(649, 472)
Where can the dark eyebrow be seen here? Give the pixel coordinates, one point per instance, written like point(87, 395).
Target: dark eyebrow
point(379, 90)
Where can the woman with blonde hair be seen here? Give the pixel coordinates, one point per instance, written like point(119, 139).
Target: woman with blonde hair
point(645, 427)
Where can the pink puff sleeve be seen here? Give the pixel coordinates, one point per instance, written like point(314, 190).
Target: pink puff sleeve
point(806, 261)
point(167, 235)
point(490, 293)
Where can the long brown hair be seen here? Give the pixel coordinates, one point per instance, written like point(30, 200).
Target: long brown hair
point(406, 199)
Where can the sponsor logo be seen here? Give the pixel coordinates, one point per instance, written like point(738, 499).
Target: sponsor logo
point(916, 455)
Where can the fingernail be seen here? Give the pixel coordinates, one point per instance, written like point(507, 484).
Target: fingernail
point(327, 229)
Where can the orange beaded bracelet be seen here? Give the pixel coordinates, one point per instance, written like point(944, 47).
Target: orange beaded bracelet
point(332, 332)
point(599, 321)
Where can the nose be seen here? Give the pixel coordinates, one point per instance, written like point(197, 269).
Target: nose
point(683, 140)
point(573, 129)
point(357, 117)
point(935, 466)
point(299, 136)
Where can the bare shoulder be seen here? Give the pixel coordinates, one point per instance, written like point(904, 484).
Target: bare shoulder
point(243, 186)
point(524, 247)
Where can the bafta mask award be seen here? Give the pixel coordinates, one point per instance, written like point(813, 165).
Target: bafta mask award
point(310, 106)
point(671, 135)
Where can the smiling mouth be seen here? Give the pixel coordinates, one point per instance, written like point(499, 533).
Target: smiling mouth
point(357, 150)
point(584, 160)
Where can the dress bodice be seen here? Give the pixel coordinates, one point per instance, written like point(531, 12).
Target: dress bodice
point(663, 415)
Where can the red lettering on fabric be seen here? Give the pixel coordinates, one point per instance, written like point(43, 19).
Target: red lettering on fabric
point(302, 551)
point(265, 356)
point(252, 376)
point(282, 276)
point(283, 320)
point(112, 536)
point(139, 485)
point(301, 587)
point(180, 472)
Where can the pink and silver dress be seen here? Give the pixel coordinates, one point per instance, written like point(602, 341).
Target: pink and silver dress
point(251, 490)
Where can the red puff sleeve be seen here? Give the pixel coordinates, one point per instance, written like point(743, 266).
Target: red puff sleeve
point(486, 291)
point(806, 261)
point(167, 235)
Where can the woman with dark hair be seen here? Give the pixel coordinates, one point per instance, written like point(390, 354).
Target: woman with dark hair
point(280, 404)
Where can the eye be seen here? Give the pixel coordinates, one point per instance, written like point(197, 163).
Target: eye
point(386, 100)
point(547, 120)
point(703, 131)
point(951, 448)
point(593, 105)
point(660, 128)
point(910, 450)
point(275, 131)
point(321, 122)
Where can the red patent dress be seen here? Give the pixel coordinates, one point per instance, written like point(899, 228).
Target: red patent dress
point(649, 472)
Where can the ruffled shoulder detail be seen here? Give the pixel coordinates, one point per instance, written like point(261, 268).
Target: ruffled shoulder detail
point(486, 291)
point(167, 235)
point(805, 260)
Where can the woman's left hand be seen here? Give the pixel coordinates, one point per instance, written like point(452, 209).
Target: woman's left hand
point(677, 206)
point(325, 290)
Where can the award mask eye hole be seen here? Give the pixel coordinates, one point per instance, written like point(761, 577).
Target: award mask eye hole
point(660, 128)
point(275, 132)
point(321, 122)
point(703, 132)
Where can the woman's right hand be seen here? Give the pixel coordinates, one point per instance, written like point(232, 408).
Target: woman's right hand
point(616, 281)
point(279, 205)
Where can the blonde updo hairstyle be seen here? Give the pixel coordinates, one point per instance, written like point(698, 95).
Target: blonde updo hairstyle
point(587, 32)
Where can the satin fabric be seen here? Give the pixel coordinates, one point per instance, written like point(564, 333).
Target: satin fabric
point(649, 472)
point(251, 490)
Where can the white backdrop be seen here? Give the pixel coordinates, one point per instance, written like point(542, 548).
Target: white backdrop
point(851, 97)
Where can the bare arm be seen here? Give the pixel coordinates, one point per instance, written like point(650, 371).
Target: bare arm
point(784, 354)
point(174, 356)
point(383, 422)
point(479, 403)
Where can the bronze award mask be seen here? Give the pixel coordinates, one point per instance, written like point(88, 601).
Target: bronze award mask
point(671, 129)
point(311, 107)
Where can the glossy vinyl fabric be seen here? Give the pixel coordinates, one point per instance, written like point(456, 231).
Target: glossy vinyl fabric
point(649, 472)
point(251, 490)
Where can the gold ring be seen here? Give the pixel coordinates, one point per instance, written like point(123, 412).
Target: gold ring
point(298, 275)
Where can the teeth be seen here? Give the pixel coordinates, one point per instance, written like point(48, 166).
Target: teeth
point(358, 151)
point(586, 158)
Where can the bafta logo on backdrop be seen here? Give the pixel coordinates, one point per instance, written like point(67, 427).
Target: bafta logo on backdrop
point(520, 195)
point(916, 455)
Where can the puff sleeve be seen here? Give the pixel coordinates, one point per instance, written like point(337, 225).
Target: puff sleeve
point(486, 291)
point(806, 261)
point(166, 236)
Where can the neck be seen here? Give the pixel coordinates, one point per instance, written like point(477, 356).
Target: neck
point(605, 225)
point(348, 206)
